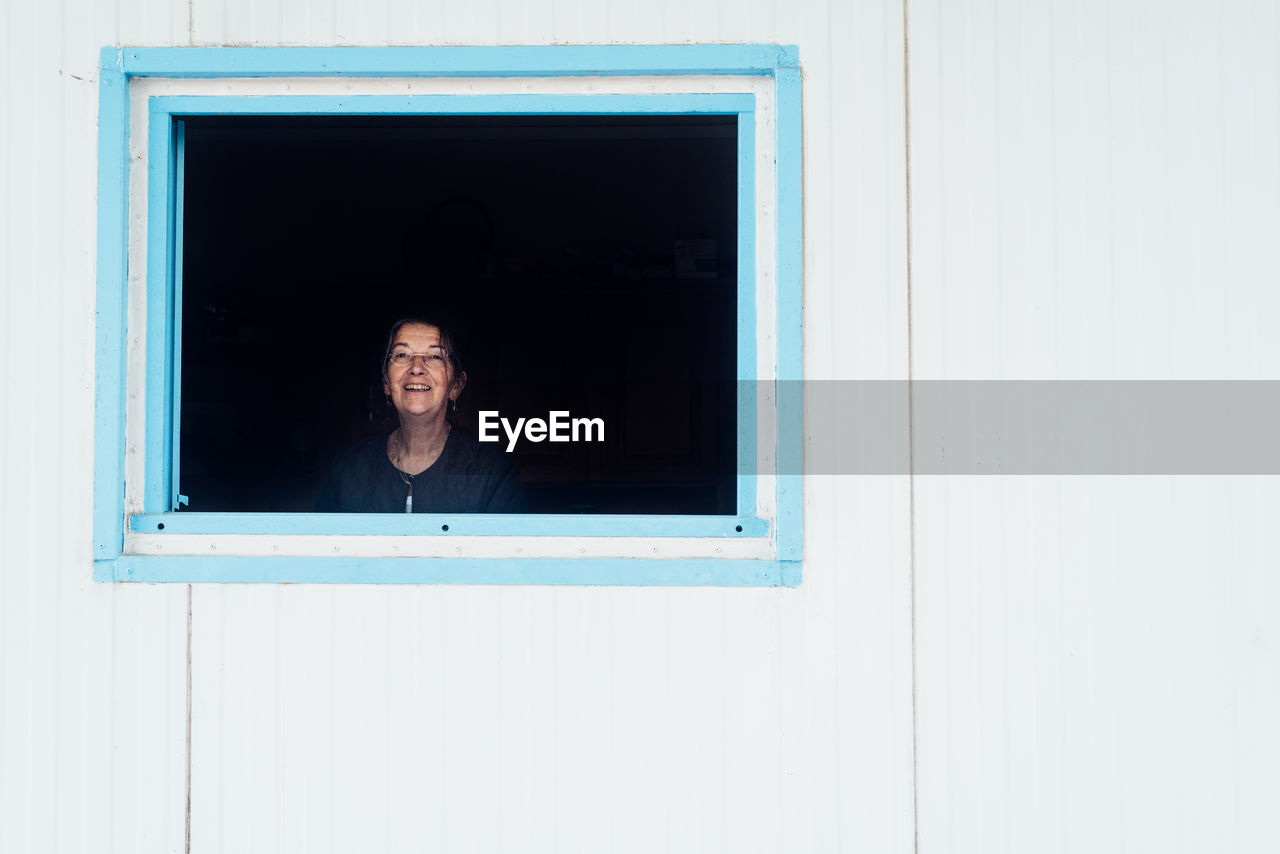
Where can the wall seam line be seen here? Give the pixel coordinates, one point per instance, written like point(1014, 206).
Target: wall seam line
point(911, 446)
point(187, 830)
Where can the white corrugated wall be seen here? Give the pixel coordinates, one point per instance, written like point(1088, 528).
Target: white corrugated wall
point(1096, 195)
point(972, 664)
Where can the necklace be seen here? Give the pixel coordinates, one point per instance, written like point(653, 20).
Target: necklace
point(404, 476)
point(397, 457)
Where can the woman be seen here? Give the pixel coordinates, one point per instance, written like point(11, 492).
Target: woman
point(426, 465)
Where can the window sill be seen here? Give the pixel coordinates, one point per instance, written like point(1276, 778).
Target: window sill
point(641, 572)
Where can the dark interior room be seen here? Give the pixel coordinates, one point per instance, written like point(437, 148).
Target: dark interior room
point(584, 264)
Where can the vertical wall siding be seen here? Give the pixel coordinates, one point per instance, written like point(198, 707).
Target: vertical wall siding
point(1095, 194)
point(92, 696)
point(1096, 655)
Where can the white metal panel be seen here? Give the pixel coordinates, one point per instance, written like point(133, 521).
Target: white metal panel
point(92, 677)
point(1091, 183)
point(137, 22)
point(1097, 667)
point(1093, 190)
point(399, 22)
point(844, 677)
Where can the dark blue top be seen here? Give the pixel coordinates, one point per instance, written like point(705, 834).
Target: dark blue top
point(468, 477)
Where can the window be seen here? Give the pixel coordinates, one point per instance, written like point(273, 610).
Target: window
point(224, 174)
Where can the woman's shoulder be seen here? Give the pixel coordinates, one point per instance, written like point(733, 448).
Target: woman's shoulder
point(362, 452)
point(492, 477)
point(353, 481)
point(468, 452)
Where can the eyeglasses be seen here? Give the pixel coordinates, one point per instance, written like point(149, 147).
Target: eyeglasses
point(404, 358)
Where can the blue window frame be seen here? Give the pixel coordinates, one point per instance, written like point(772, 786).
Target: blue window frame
point(138, 533)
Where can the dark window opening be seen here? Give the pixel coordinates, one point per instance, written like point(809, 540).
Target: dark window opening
point(585, 263)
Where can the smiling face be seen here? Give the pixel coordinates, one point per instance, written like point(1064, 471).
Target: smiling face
point(422, 381)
